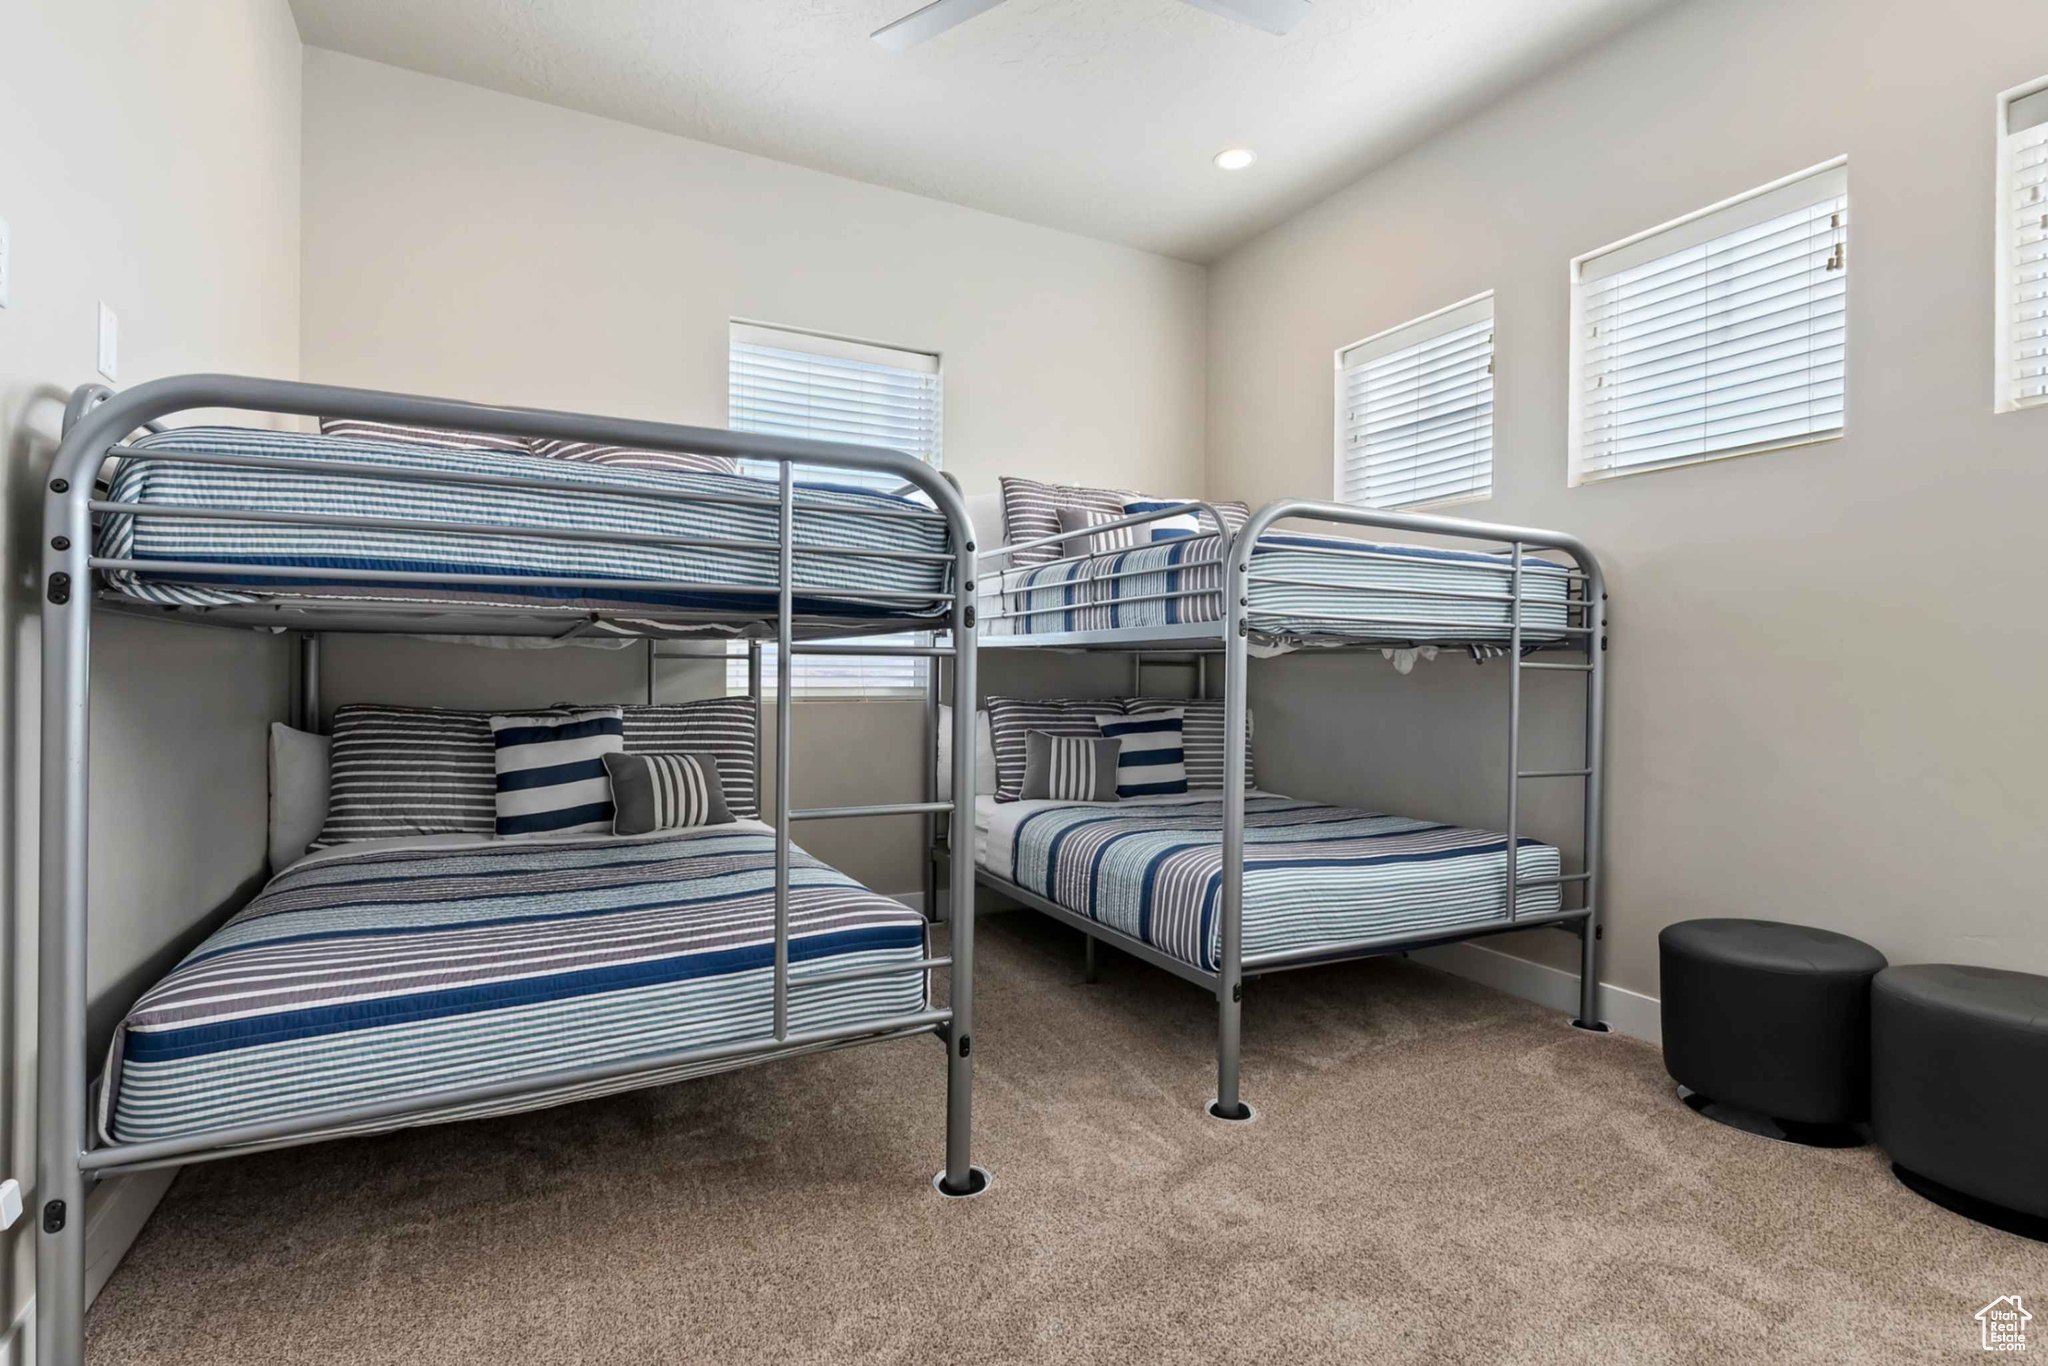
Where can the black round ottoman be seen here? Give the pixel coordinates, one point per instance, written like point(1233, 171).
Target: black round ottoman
point(1767, 1026)
point(1958, 1060)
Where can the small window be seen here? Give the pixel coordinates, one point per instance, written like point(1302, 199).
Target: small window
point(790, 383)
point(787, 383)
point(1415, 411)
point(2023, 247)
point(845, 677)
point(1721, 334)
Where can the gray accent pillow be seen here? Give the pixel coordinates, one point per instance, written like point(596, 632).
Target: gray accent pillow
point(665, 792)
point(404, 434)
point(628, 457)
point(1070, 768)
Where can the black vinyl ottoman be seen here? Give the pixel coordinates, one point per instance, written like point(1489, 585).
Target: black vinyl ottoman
point(1959, 1058)
point(1767, 1025)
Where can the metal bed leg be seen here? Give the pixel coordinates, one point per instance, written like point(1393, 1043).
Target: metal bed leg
point(1228, 1104)
point(1089, 969)
point(961, 1178)
point(651, 670)
point(754, 696)
point(1595, 616)
point(928, 856)
point(61, 1063)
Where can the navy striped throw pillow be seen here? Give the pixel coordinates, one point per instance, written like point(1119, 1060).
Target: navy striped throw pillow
point(551, 773)
point(1069, 768)
point(1152, 761)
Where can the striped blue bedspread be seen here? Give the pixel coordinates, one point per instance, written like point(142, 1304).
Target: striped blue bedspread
point(1315, 876)
point(1303, 588)
point(364, 977)
point(824, 516)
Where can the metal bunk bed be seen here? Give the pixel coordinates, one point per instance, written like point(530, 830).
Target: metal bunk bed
point(1574, 622)
point(99, 425)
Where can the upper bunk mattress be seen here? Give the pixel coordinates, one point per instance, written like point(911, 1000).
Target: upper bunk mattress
point(1304, 590)
point(377, 971)
point(613, 500)
point(1315, 877)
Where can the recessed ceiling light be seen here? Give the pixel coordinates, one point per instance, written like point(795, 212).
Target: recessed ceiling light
point(1236, 158)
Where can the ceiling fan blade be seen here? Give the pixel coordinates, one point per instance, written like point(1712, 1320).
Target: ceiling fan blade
point(929, 22)
point(1274, 16)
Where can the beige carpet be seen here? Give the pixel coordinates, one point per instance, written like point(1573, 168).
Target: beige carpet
point(1439, 1173)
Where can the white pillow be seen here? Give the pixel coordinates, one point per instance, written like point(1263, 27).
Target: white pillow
point(298, 792)
point(984, 754)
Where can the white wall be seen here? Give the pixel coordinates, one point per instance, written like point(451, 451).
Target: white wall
point(150, 160)
point(1826, 661)
point(473, 244)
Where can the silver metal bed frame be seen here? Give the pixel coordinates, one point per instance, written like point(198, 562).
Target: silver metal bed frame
point(97, 424)
point(1585, 634)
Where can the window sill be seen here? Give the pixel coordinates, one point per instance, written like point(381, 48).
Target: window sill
point(1579, 479)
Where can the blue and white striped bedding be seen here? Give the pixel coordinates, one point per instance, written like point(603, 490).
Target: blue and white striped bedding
point(825, 515)
point(1315, 876)
point(1123, 589)
point(404, 968)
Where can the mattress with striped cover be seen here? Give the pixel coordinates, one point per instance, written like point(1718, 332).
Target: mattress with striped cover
point(1399, 584)
point(398, 968)
point(1315, 876)
point(825, 515)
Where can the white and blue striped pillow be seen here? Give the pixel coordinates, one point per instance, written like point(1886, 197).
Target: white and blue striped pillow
point(1153, 761)
point(1176, 528)
point(551, 773)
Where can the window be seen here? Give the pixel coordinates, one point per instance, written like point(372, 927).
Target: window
point(1415, 411)
point(2023, 247)
point(791, 383)
point(786, 383)
point(836, 676)
point(1720, 334)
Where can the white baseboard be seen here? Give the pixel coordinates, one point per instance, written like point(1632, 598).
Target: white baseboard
point(1626, 1012)
point(115, 1212)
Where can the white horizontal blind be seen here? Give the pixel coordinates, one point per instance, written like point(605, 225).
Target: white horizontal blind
point(842, 676)
point(1415, 411)
point(1723, 333)
point(2024, 279)
point(787, 383)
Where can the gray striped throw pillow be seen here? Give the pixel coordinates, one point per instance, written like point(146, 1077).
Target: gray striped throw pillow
point(596, 453)
point(1070, 768)
point(665, 792)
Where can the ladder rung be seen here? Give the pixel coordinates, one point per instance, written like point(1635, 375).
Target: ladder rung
point(1551, 881)
point(1557, 773)
point(827, 813)
point(871, 970)
point(1561, 668)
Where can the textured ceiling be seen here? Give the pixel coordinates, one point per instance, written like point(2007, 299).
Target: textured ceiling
point(1097, 116)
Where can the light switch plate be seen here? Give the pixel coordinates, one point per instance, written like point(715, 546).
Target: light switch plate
point(110, 342)
point(6, 271)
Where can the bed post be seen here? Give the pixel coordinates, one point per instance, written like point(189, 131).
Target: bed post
point(785, 632)
point(928, 857)
point(754, 696)
point(1595, 617)
point(961, 1177)
point(1228, 1104)
point(66, 591)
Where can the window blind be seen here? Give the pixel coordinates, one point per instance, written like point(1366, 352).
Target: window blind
point(841, 676)
point(786, 383)
point(1415, 411)
point(789, 383)
point(2023, 217)
point(1722, 333)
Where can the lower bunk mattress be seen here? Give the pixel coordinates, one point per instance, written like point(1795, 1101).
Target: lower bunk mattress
point(1304, 590)
point(371, 972)
point(250, 561)
point(1316, 877)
